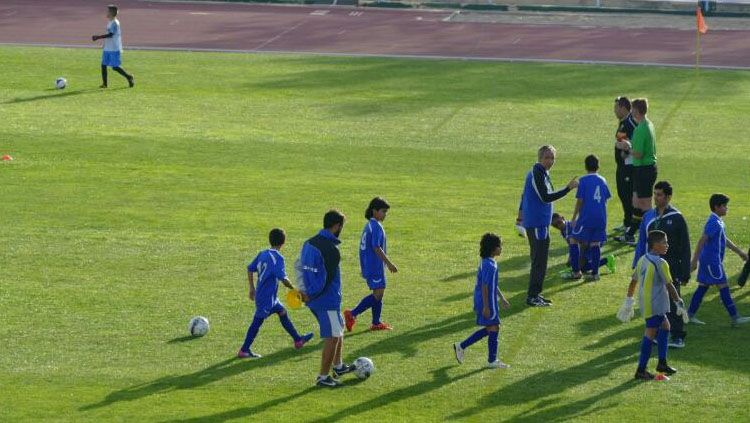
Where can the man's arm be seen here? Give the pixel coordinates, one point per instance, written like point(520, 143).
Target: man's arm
point(697, 252)
point(98, 37)
point(251, 293)
point(547, 195)
point(380, 253)
point(579, 204)
point(485, 302)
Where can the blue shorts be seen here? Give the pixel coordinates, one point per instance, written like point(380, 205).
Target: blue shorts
point(655, 321)
point(111, 58)
point(330, 321)
point(589, 233)
point(481, 321)
point(376, 283)
point(711, 274)
point(264, 312)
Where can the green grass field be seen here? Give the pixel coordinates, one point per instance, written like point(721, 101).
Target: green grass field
point(126, 212)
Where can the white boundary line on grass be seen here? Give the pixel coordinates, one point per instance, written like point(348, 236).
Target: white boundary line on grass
point(398, 56)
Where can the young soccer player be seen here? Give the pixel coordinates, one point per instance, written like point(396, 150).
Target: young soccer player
point(576, 270)
point(655, 288)
point(319, 268)
point(112, 48)
point(269, 265)
point(372, 260)
point(486, 293)
point(710, 253)
point(591, 212)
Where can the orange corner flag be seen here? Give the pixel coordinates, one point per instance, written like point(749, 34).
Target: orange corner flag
point(702, 27)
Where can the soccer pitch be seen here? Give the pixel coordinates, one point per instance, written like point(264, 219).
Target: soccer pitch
point(128, 211)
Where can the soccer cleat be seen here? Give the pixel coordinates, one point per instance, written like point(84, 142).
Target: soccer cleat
point(381, 326)
point(694, 320)
point(497, 364)
point(536, 302)
point(343, 369)
point(459, 352)
point(643, 375)
point(666, 369)
point(592, 278)
point(103, 86)
point(611, 263)
point(626, 239)
point(247, 354)
point(131, 81)
point(327, 381)
point(739, 320)
point(544, 299)
point(621, 228)
point(303, 340)
point(349, 320)
point(521, 230)
point(661, 377)
point(568, 275)
point(676, 343)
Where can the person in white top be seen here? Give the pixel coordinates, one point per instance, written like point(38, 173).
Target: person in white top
point(112, 47)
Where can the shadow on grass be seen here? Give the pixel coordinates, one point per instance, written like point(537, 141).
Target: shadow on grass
point(57, 94)
point(181, 339)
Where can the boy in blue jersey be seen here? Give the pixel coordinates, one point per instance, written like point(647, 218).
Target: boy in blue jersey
point(655, 289)
point(576, 270)
point(372, 260)
point(486, 295)
point(112, 48)
point(710, 253)
point(320, 284)
point(590, 215)
point(269, 265)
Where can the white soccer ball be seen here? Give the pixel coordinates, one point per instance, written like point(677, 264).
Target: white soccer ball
point(198, 326)
point(363, 367)
point(61, 83)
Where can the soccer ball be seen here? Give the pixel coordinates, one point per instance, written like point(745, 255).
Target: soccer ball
point(198, 326)
point(363, 367)
point(61, 83)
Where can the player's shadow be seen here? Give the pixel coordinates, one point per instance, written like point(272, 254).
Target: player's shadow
point(547, 384)
point(223, 369)
point(181, 339)
point(57, 94)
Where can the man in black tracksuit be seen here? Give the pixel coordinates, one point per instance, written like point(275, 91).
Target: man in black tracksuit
point(668, 219)
point(624, 171)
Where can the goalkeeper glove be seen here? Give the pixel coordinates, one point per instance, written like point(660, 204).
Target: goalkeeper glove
point(626, 310)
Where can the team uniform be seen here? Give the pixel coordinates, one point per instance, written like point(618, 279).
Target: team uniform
point(113, 45)
point(624, 172)
point(673, 224)
point(653, 275)
point(644, 169)
point(574, 252)
point(536, 208)
point(487, 277)
point(319, 263)
point(373, 272)
point(591, 225)
point(269, 265)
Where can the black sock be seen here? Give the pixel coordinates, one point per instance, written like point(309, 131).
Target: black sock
point(104, 75)
point(122, 72)
point(637, 219)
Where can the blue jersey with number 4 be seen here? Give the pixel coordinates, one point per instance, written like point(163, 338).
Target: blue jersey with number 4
point(269, 265)
point(594, 192)
point(373, 236)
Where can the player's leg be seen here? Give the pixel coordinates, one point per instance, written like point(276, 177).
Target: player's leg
point(493, 331)
point(252, 332)
point(129, 77)
point(583, 251)
point(377, 310)
point(596, 255)
point(286, 322)
point(326, 362)
point(366, 303)
point(539, 241)
point(662, 342)
point(695, 302)
point(104, 77)
point(726, 299)
point(652, 325)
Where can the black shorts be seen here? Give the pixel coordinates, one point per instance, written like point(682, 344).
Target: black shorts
point(644, 178)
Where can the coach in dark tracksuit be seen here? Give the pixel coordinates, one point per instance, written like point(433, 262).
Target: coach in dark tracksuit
point(669, 220)
point(536, 207)
point(624, 171)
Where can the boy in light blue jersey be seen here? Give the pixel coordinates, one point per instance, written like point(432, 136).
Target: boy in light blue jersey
point(590, 215)
point(112, 49)
point(486, 296)
point(372, 261)
point(269, 265)
point(576, 269)
point(654, 280)
point(710, 253)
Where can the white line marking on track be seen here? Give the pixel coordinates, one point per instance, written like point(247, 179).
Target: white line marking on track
point(356, 13)
point(201, 13)
point(272, 39)
point(516, 40)
point(319, 13)
point(397, 56)
point(450, 17)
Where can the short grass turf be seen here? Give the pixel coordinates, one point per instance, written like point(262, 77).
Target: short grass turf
point(128, 211)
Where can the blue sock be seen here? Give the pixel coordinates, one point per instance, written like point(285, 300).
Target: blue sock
point(492, 347)
point(252, 331)
point(476, 336)
point(726, 298)
point(596, 255)
point(289, 326)
point(645, 353)
point(574, 253)
point(662, 339)
point(602, 262)
point(695, 302)
point(363, 305)
point(377, 308)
